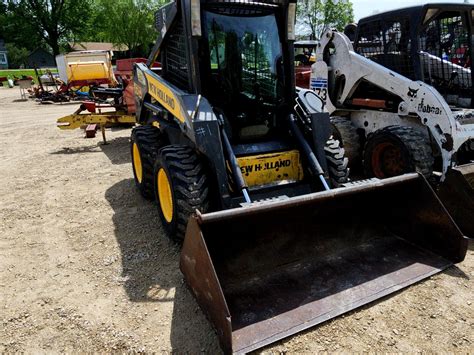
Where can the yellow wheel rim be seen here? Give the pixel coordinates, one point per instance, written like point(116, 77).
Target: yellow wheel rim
point(137, 163)
point(165, 196)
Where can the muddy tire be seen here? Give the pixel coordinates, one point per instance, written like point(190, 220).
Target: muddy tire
point(337, 163)
point(144, 145)
point(181, 188)
point(397, 150)
point(350, 140)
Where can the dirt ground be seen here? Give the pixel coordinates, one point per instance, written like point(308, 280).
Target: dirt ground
point(83, 266)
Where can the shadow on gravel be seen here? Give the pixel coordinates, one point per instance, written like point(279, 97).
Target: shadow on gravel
point(117, 150)
point(77, 150)
point(454, 271)
point(150, 269)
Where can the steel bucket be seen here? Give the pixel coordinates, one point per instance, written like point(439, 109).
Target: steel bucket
point(457, 194)
point(264, 272)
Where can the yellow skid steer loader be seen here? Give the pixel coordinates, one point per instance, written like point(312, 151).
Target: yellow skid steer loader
point(246, 173)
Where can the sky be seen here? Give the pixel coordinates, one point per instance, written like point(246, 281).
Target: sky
point(363, 8)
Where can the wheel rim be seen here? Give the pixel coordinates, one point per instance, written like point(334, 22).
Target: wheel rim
point(164, 195)
point(137, 163)
point(387, 160)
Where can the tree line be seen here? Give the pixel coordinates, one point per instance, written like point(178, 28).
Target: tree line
point(26, 25)
point(316, 16)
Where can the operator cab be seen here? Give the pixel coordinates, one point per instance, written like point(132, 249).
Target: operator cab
point(242, 73)
point(430, 43)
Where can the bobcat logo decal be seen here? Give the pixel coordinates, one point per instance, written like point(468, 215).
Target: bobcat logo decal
point(412, 93)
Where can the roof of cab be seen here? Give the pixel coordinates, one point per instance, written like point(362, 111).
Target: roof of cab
point(416, 10)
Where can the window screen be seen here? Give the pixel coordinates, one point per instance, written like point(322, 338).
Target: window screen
point(176, 68)
point(445, 53)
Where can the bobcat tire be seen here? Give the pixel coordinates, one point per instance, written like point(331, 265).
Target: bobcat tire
point(145, 142)
point(350, 140)
point(181, 188)
point(397, 150)
point(337, 163)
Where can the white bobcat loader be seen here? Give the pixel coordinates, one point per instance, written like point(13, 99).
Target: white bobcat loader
point(391, 125)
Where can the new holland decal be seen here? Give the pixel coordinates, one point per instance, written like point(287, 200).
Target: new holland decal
point(271, 168)
point(164, 96)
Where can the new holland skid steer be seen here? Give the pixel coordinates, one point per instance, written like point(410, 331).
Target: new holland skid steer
point(402, 99)
point(245, 169)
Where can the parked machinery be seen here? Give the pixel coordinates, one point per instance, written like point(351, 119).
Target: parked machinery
point(391, 124)
point(245, 169)
point(106, 104)
point(430, 43)
point(304, 58)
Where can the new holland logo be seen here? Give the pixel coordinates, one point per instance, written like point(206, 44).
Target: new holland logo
point(273, 165)
point(162, 96)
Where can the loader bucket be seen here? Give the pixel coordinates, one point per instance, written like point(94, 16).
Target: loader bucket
point(457, 194)
point(264, 272)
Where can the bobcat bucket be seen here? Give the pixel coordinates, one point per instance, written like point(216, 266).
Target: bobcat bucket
point(457, 194)
point(264, 272)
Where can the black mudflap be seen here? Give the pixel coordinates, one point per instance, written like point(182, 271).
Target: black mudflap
point(265, 272)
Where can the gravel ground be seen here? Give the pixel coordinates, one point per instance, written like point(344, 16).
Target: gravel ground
point(83, 266)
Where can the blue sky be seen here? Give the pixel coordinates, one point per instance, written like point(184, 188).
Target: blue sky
point(364, 8)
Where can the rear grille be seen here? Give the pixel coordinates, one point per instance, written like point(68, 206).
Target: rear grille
point(176, 64)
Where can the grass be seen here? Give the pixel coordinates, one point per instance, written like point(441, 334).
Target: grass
point(10, 73)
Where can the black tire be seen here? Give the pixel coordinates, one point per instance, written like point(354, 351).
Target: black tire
point(147, 140)
point(188, 186)
point(350, 140)
point(337, 163)
point(397, 150)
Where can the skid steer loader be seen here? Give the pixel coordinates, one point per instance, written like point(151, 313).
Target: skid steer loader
point(392, 125)
point(245, 169)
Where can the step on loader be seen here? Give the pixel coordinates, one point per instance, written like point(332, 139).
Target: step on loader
point(246, 173)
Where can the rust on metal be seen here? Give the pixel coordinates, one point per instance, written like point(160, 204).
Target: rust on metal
point(77, 120)
point(306, 199)
point(372, 103)
point(196, 265)
point(265, 272)
point(91, 130)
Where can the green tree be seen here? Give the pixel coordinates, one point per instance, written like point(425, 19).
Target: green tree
point(17, 56)
point(14, 31)
point(95, 29)
point(55, 21)
point(127, 22)
point(317, 16)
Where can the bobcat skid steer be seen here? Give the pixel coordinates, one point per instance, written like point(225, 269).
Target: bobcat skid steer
point(244, 169)
point(390, 124)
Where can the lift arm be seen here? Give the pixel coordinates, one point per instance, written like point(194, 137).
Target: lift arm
point(339, 71)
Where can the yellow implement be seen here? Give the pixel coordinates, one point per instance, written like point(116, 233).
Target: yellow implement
point(78, 120)
point(92, 121)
